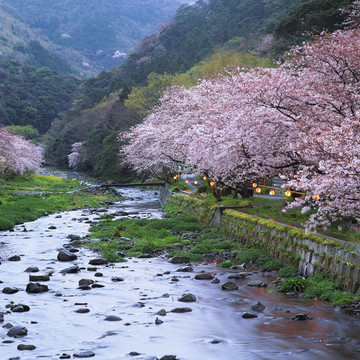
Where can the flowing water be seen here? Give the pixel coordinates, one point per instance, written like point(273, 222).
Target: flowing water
point(213, 330)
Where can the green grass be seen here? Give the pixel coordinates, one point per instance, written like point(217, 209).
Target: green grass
point(18, 208)
point(319, 287)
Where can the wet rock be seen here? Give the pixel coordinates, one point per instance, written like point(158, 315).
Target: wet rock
point(185, 269)
point(70, 270)
point(84, 354)
point(161, 312)
point(52, 227)
point(20, 308)
point(65, 255)
point(175, 279)
point(204, 276)
point(39, 277)
point(73, 237)
point(58, 293)
point(91, 269)
point(301, 316)
point(256, 283)
point(73, 250)
point(10, 290)
point(121, 213)
point(99, 274)
point(97, 286)
point(8, 326)
point(117, 279)
point(113, 318)
point(14, 258)
point(134, 353)
point(168, 357)
point(82, 311)
point(85, 282)
point(181, 310)
point(84, 287)
point(158, 321)
point(215, 341)
point(65, 356)
point(258, 306)
point(215, 281)
point(98, 261)
point(26, 347)
point(1, 317)
point(247, 315)
point(32, 269)
point(179, 259)
point(17, 331)
point(239, 276)
point(187, 298)
point(36, 288)
point(229, 286)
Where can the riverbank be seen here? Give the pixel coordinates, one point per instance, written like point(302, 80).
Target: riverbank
point(28, 198)
point(136, 309)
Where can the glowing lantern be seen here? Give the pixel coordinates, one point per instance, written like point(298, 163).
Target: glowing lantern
point(186, 181)
point(288, 193)
point(271, 192)
point(258, 190)
point(317, 197)
point(212, 183)
point(204, 178)
point(196, 182)
point(175, 177)
point(254, 185)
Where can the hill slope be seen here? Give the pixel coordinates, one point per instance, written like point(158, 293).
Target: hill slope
point(91, 35)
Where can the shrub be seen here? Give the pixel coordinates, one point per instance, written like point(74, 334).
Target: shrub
point(226, 264)
point(293, 285)
point(288, 271)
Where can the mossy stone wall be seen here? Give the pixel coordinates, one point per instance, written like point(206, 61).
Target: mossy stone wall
point(337, 260)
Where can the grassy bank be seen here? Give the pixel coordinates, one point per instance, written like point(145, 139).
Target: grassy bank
point(182, 235)
point(26, 199)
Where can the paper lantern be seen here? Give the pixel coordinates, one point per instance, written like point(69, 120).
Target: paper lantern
point(258, 190)
point(271, 192)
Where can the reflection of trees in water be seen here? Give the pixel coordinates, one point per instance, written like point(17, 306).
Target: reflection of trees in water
point(5, 252)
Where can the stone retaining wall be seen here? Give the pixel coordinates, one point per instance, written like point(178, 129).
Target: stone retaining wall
point(337, 260)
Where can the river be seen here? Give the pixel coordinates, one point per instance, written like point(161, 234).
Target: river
point(213, 330)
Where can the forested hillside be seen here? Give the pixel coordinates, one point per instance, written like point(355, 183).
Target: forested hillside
point(32, 96)
point(91, 35)
point(204, 38)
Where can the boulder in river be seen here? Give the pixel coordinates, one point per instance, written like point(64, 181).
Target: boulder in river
point(301, 316)
point(258, 306)
point(187, 298)
point(10, 290)
point(36, 288)
point(84, 354)
point(113, 318)
point(32, 269)
point(17, 331)
point(65, 255)
point(14, 258)
point(98, 261)
point(256, 283)
point(26, 347)
point(185, 269)
point(181, 310)
point(229, 286)
point(20, 308)
point(204, 276)
point(247, 315)
point(39, 277)
point(70, 270)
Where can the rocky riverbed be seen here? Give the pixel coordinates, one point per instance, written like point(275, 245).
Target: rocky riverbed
point(59, 300)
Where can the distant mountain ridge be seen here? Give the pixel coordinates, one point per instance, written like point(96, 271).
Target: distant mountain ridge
point(90, 35)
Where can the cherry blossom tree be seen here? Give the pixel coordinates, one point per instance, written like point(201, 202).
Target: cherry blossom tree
point(17, 155)
point(300, 121)
point(74, 156)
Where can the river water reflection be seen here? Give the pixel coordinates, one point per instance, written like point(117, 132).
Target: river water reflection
point(213, 330)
